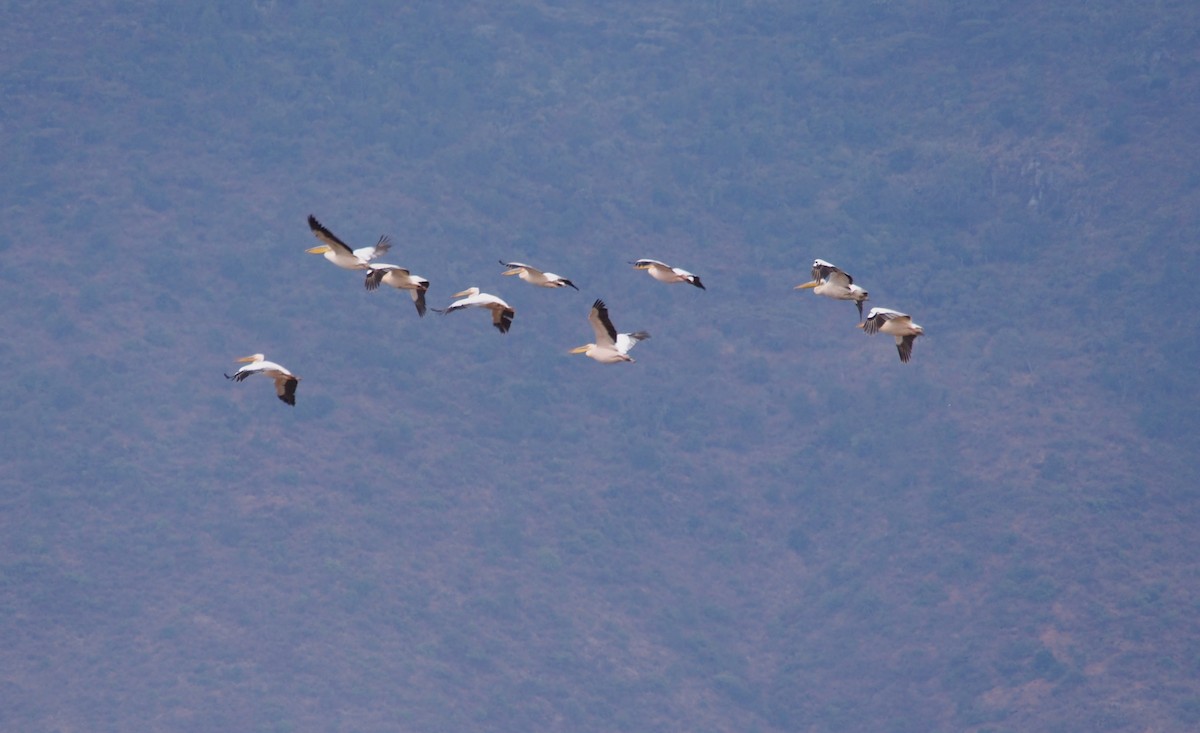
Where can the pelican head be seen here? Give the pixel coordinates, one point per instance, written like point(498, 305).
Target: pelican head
point(252, 358)
point(581, 349)
point(467, 293)
point(513, 271)
point(806, 286)
point(319, 250)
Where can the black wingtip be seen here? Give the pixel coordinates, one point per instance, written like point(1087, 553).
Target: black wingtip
point(568, 282)
point(696, 281)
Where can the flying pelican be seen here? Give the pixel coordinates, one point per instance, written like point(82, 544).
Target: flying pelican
point(897, 324)
point(401, 279)
point(610, 347)
point(664, 273)
point(833, 282)
point(502, 313)
point(534, 276)
point(285, 381)
point(339, 253)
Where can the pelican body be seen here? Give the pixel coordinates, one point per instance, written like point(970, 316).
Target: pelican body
point(398, 278)
point(339, 253)
point(895, 323)
point(833, 282)
point(534, 276)
point(664, 273)
point(502, 313)
point(285, 381)
point(610, 347)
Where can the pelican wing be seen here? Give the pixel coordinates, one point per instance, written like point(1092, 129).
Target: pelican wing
point(369, 253)
point(627, 341)
point(521, 266)
point(563, 281)
point(904, 345)
point(879, 316)
point(646, 264)
point(689, 277)
point(839, 278)
point(821, 269)
point(328, 237)
point(418, 297)
point(285, 387)
point(502, 318)
point(377, 273)
point(606, 332)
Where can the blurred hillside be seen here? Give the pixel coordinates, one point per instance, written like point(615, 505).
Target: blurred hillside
point(765, 524)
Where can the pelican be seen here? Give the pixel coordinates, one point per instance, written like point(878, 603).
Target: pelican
point(897, 324)
point(339, 253)
point(534, 276)
point(610, 347)
point(398, 278)
point(664, 273)
point(502, 313)
point(285, 381)
point(833, 282)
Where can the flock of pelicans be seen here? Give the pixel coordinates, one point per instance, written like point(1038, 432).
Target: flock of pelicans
point(610, 347)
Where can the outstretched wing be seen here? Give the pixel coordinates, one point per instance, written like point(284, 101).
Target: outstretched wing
point(502, 318)
point(369, 253)
point(327, 237)
point(647, 264)
point(418, 297)
point(606, 333)
point(285, 387)
point(627, 341)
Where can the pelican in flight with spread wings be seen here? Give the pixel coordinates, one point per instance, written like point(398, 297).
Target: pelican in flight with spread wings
point(664, 273)
point(897, 324)
point(834, 282)
point(339, 253)
point(534, 276)
point(502, 313)
point(285, 381)
point(398, 278)
point(610, 347)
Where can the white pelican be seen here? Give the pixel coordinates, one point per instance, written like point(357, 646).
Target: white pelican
point(664, 273)
point(897, 324)
point(285, 381)
point(610, 347)
point(534, 276)
point(401, 279)
point(502, 313)
point(833, 282)
point(339, 253)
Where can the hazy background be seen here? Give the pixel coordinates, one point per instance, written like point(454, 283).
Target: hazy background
point(766, 524)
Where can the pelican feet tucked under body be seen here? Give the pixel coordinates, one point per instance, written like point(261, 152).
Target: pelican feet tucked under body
point(339, 253)
point(534, 276)
point(895, 323)
point(833, 282)
point(664, 273)
point(610, 347)
point(502, 313)
point(285, 381)
point(398, 278)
